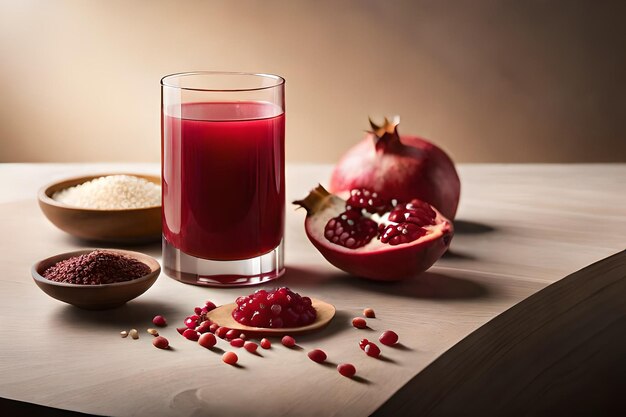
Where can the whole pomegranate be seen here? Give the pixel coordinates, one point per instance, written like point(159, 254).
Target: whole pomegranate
point(369, 236)
point(403, 167)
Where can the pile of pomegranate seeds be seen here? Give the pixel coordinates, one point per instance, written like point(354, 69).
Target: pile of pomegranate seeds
point(276, 309)
point(355, 228)
point(96, 268)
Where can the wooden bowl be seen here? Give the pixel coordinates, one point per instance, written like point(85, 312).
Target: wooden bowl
point(95, 297)
point(116, 226)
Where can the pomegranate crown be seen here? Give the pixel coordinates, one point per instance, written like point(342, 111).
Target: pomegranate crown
point(315, 201)
point(386, 137)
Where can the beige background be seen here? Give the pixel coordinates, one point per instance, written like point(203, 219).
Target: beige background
point(487, 80)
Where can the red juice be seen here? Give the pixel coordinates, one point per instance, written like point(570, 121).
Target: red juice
point(223, 179)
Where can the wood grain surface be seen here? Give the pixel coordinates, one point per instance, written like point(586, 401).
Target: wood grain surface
point(519, 229)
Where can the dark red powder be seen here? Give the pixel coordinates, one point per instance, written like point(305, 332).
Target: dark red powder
point(97, 267)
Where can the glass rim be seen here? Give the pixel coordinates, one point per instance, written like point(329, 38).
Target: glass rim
point(279, 81)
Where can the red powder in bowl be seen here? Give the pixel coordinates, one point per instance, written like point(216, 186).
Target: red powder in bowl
point(97, 267)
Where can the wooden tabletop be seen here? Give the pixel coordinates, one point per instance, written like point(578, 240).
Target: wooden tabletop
point(520, 228)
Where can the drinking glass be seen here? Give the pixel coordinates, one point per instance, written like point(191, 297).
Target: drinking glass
point(223, 177)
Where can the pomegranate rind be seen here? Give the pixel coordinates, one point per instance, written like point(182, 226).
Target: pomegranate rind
point(428, 172)
point(376, 260)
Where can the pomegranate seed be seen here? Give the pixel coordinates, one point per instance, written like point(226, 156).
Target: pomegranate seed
point(160, 342)
point(359, 322)
point(237, 342)
point(288, 341)
point(191, 334)
point(346, 369)
point(210, 305)
point(159, 321)
point(230, 358)
point(362, 198)
point(369, 313)
point(207, 340)
point(265, 343)
point(251, 347)
point(197, 310)
point(243, 336)
point(317, 355)
point(181, 330)
point(371, 349)
point(213, 327)
point(350, 229)
point(221, 332)
point(388, 338)
point(232, 334)
point(191, 322)
point(203, 327)
point(363, 343)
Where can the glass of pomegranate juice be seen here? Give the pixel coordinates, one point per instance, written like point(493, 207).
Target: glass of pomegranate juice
point(223, 177)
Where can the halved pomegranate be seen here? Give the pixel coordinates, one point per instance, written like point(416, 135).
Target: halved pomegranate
point(398, 242)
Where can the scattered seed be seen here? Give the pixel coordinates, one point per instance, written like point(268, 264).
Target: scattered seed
point(288, 341)
point(191, 334)
point(159, 321)
point(371, 349)
point(251, 347)
point(192, 321)
point(346, 369)
point(197, 310)
point(265, 343)
point(160, 342)
point(363, 343)
point(213, 327)
point(369, 313)
point(230, 358)
point(317, 355)
point(123, 333)
point(237, 342)
point(232, 334)
point(359, 322)
point(134, 334)
point(207, 340)
point(153, 332)
point(388, 338)
point(181, 330)
point(203, 327)
point(221, 332)
point(243, 336)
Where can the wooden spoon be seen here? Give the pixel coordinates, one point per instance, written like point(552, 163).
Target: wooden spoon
point(222, 315)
